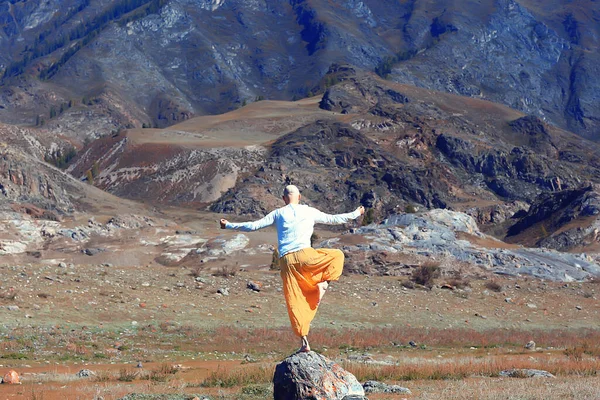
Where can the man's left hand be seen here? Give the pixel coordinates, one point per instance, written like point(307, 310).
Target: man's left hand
point(361, 209)
point(223, 223)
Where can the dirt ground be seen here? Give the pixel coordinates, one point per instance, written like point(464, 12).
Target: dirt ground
point(109, 311)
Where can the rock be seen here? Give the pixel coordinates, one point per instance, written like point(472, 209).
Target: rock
point(139, 365)
point(253, 285)
point(12, 308)
point(223, 291)
point(530, 345)
point(62, 265)
point(579, 307)
point(11, 378)
point(238, 242)
point(92, 251)
point(569, 219)
point(85, 373)
point(526, 373)
point(311, 375)
point(412, 344)
point(380, 387)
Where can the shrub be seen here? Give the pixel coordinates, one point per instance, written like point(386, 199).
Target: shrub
point(459, 283)
point(127, 375)
point(226, 271)
point(493, 286)
point(425, 274)
point(410, 209)
point(275, 259)
point(102, 376)
point(408, 284)
point(369, 217)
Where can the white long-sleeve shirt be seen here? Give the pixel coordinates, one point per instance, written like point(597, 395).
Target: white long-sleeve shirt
point(295, 225)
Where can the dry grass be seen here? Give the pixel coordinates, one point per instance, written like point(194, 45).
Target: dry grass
point(227, 378)
point(102, 376)
point(227, 271)
point(127, 375)
point(422, 368)
point(463, 367)
point(582, 388)
point(241, 340)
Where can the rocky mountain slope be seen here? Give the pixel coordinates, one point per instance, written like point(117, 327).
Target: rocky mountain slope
point(100, 65)
point(566, 221)
point(388, 146)
point(396, 145)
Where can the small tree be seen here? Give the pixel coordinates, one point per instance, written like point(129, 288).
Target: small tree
point(95, 170)
point(89, 177)
point(369, 217)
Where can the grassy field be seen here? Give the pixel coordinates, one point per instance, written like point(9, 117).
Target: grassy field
point(194, 340)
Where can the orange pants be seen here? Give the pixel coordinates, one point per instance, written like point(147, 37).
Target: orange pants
point(301, 271)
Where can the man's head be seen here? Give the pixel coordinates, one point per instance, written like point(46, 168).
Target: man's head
point(291, 195)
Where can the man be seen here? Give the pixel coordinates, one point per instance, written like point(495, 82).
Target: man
point(306, 272)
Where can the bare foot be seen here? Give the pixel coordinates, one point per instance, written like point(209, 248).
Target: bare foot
point(305, 347)
point(322, 289)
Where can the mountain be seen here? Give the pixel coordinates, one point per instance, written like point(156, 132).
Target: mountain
point(87, 68)
point(390, 146)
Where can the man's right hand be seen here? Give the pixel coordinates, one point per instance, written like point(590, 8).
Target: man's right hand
point(361, 209)
point(223, 223)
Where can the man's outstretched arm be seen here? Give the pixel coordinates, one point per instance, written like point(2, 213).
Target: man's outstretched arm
point(331, 219)
point(249, 226)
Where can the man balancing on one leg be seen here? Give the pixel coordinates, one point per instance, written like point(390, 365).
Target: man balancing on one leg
point(306, 272)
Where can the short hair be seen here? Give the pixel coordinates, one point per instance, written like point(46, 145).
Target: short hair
point(291, 189)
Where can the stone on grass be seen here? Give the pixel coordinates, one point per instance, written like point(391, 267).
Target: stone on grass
point(312, 376)
point(530, 345)
point(526, 373)
point(380, 387)
point(11, 378)
point(85, 373)
point(255, 286)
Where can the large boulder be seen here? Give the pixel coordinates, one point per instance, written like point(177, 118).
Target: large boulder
point(313, 376)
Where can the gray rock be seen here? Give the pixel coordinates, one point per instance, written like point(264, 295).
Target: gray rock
point(223, 291)
point(85, 373)
point(255, 286)
point(530, 345)
point(92, 251)
point(310, 375)
point(435, 233)
point(12, 308)
point(526, 373)
point(380, 387)
point(62, 265)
